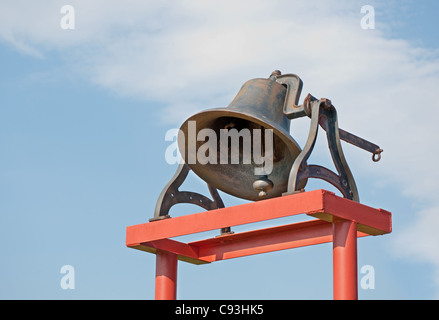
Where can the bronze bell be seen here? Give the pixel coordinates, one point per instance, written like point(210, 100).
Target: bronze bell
point(258, 105)
point(246, 150)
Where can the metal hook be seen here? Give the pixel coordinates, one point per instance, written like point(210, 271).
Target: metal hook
point(376, 156)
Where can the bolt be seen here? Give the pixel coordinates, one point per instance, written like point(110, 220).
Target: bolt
point(275, 73)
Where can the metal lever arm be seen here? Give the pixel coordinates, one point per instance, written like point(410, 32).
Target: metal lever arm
point(292, 110)
point(349, 137)
point(361, 143)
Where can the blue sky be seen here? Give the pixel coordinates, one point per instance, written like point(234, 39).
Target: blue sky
point(84, 113)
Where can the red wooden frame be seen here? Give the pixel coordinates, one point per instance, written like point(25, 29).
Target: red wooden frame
point(339, 220)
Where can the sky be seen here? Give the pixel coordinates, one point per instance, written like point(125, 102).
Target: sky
point(84, 113)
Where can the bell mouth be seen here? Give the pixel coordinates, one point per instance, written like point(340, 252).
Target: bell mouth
point(237, 179)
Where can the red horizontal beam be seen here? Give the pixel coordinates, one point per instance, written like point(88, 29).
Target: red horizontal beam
point(246, 243)
point(184, 251)
point(321, 204)
point(226, 217)
point(265, 240)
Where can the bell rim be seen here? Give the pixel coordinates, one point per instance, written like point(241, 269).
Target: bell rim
point(227, 112)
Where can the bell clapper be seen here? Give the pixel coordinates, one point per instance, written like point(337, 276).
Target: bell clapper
point(263, 185)
point(230, 125)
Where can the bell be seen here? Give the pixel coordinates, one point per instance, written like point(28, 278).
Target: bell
point(246, 150)
point(251, 129)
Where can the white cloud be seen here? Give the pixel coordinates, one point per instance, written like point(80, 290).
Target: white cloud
point(419, 241)
point(192, 55)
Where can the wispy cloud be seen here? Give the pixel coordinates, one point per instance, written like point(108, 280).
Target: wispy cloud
point(191, 55)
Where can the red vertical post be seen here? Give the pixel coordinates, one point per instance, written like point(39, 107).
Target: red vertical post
point(166, 276)
point(345, 260)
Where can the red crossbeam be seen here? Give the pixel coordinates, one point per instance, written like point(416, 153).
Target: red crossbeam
point(326, 206)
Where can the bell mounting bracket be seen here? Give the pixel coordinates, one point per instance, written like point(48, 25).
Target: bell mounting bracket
point(322, 113)
point(171, 195)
